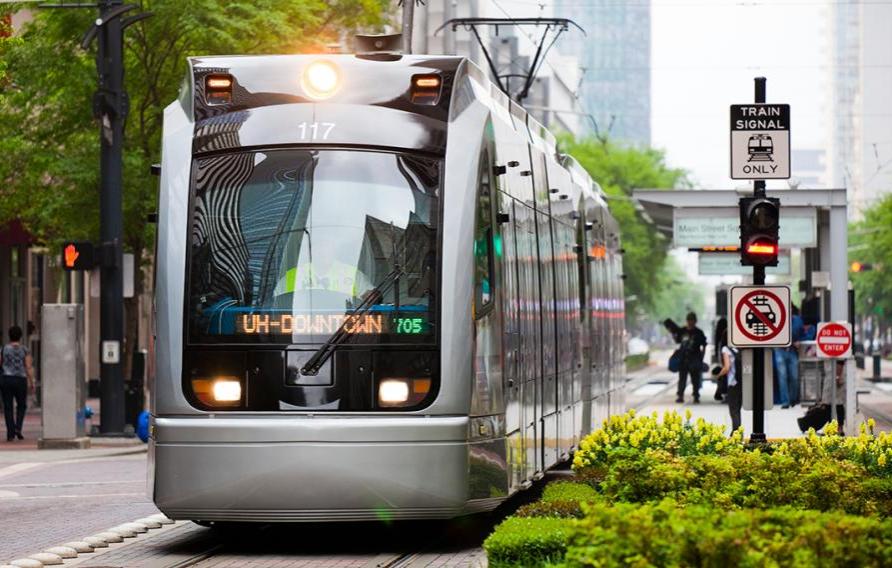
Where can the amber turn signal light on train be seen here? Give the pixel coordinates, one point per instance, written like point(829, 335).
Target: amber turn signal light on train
point(402, 392)
point(218, 89)
point(221, 391)
point(426, 89)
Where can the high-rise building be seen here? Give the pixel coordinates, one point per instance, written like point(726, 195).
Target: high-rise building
point(615, 59)
point(860, 116)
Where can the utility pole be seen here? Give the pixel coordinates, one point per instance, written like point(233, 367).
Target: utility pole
point(110, 108)
point(408, 24)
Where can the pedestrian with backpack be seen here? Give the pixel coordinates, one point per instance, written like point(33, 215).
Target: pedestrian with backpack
point(730, 371)
point(691, 348)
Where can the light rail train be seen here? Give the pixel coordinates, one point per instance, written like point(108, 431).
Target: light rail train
point(381, 293)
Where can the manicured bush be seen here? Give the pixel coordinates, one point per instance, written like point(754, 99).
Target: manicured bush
point(569, 491)
point(679, 492)
point(639, 433)
point(666, 534)
point(528, 542)
point(552, 509)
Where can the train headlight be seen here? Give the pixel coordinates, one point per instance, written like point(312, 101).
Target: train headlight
point(226, 390)
point(218, 391)
point(402, 392)
point(321, 79)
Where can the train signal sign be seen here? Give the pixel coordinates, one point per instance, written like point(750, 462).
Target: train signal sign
point(78, 255)
point(834, 340)
point(759, 316)
point(760, 141)
point(759, 231)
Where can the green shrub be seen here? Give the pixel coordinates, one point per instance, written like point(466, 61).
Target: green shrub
point(528, 542)
point(666, 534)
point(675, 435)
point(553, 509)
point(569, 491)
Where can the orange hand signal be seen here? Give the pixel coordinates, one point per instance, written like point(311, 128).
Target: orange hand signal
point(71, 255)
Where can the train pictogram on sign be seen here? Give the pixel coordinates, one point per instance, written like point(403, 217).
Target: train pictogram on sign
point(759, 316)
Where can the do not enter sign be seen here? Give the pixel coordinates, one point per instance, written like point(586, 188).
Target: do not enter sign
point(834, 340)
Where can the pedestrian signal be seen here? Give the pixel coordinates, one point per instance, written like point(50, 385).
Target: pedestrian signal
point(77, 256)
point(759, 228)
point(861, 266)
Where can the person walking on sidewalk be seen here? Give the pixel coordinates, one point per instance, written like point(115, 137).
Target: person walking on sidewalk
point(728, 357)
point(15, 383)
point(692, 347)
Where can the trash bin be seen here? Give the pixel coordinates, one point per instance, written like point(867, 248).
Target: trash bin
point(811, 373)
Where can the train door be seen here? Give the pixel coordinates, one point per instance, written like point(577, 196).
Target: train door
point(546, 311)
point(514, 426)
point(583, 414)
point(597, 306)
point(529, 355)
point(549, 356)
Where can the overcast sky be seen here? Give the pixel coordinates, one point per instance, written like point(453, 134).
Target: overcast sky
point(704, 56)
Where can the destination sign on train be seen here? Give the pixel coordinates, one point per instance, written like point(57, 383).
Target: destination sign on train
point(366, 324)
point(760, 141)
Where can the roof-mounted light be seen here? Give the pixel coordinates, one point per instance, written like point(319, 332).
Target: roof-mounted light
point(218, 89)
point(321, 79)
point(426, 89)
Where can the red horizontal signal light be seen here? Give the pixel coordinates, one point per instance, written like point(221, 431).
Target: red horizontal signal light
point(761, 248)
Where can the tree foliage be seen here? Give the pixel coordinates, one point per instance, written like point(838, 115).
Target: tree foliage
point(619, 170)
point(871, 242)
point(49, 139)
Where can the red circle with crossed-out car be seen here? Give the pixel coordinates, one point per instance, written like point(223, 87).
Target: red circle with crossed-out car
point(833, 340)
point(764, 318)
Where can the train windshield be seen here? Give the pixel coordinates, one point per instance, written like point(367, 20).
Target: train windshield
point(288, 246)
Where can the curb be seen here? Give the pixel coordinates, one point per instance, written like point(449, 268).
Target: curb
point(56, 555)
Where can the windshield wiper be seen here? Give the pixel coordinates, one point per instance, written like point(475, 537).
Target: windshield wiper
point(314, 363)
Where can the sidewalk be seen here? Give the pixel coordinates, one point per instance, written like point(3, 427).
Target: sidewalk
point(33, 428)
point(653, 389)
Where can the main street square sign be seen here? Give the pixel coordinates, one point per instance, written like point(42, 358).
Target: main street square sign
point(760, 141)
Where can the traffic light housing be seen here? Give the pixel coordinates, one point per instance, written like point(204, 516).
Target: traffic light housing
point(860, 266)
point(78, 255)
point(759, 228)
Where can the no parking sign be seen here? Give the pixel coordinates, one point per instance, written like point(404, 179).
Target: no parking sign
point(759, 316)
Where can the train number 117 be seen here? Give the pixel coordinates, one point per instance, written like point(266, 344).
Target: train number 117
point(315, 130)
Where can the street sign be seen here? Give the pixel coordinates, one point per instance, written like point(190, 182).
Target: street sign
point(728, 264)
point(720, 226)
point(111, 352)
point(759, 316)
point(760, 141)
point(834, 340)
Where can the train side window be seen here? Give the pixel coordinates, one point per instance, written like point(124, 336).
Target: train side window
point(484, 292)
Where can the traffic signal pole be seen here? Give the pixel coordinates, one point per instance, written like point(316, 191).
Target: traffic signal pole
point(758, 434)
point(111, 106)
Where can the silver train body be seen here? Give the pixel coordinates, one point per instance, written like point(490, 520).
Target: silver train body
point(507, 314)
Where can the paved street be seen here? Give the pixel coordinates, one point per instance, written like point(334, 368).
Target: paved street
point(47, 503)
